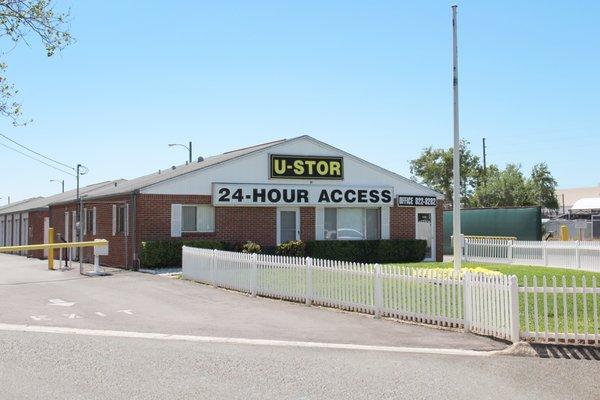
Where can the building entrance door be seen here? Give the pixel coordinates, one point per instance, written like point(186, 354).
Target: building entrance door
point(288, 224)
point(426, 231)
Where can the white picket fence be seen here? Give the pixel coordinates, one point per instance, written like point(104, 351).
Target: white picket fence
point(584, 255)
point(552, 310)
point(479, 303)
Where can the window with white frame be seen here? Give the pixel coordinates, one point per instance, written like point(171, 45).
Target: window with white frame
point(352, 223)
point(197, 218)
point(89, 221)
point(121, 217)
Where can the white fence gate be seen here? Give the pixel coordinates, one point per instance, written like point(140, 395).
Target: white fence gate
point(574, 254)
point(482, 304)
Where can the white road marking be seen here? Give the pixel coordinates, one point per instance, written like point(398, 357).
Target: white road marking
point(60, 302)
point(98, 313)
point(40, 318)
point(72, 316)
point(243, 341)
point(128, 312)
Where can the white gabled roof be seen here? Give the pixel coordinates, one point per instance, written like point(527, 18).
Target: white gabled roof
point(131, 185)
point(409, 182)
point(39, 203)
point(588, 203)
point(125, 187)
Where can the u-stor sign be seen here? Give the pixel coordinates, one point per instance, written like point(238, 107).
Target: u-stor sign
point(250, 194)
point(306, 167)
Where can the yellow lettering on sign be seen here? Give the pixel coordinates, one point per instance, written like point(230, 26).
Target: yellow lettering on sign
point(335, 168)
point(310, 165)
point(298, 167)
point(322, 167)
point(279, 166)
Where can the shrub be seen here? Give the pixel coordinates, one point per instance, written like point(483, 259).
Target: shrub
point(293, 248)
point(368, 251)
point(249, 247)
point(167, 253)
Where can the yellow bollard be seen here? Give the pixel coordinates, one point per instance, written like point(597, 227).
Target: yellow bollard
point(50, 250)
point(564, 233)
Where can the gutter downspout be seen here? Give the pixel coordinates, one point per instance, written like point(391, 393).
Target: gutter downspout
point(134, 248)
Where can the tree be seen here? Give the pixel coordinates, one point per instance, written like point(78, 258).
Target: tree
point(543, 186)
point(504, 188)
point(434, 169)
point(497, 188)
point(18, 19)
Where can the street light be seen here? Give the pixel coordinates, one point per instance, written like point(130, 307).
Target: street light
point(62, 182)
point(189, 148)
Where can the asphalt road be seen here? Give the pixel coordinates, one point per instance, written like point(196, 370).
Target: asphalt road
point(115, 338)
point(46, 366)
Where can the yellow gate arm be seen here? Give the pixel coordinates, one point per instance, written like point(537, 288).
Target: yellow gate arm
point(52, 246)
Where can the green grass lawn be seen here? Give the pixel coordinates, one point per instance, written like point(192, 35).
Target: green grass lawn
point(345, 288)
point(573, 324)
point(519, 270)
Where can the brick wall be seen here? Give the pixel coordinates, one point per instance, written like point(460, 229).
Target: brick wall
point(120, 247)
point(36, 231)
point(307, 223)
point(232, 224)
point(402, 223)
point(403, 226)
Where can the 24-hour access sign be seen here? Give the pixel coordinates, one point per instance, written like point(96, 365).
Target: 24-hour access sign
point(250, 194)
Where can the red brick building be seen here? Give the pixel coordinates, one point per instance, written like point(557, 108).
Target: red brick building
point(27, 222)
point(298, 188)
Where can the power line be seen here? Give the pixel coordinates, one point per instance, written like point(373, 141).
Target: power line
point(35, 159)
point(35, 152)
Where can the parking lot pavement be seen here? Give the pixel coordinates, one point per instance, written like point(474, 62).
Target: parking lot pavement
point(132, 301)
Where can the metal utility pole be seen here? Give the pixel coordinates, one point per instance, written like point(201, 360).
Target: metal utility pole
point(484, 163)
point(81, 170)
point(190, 151)
point(457, 242)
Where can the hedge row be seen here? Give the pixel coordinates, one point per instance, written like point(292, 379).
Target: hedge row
point(368, 251)
point(167, 253)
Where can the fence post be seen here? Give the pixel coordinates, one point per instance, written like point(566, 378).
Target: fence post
point(468, 307)
point(577, 255)
point(254, 274)
point(51, 250)
point(514, 309)
point(212, 267)
point(377, 291)
point(309, 281)
point(545, 252)
point(510, 251)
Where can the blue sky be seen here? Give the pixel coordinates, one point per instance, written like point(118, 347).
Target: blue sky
point(373, 78)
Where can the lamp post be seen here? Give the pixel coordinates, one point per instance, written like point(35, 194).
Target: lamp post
point(62, 182)
point(189, 148)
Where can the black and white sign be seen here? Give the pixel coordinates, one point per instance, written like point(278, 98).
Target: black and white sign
point(249, 194)
point(416, 201)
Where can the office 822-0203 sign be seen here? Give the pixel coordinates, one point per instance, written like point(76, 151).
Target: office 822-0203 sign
point(306, 167)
